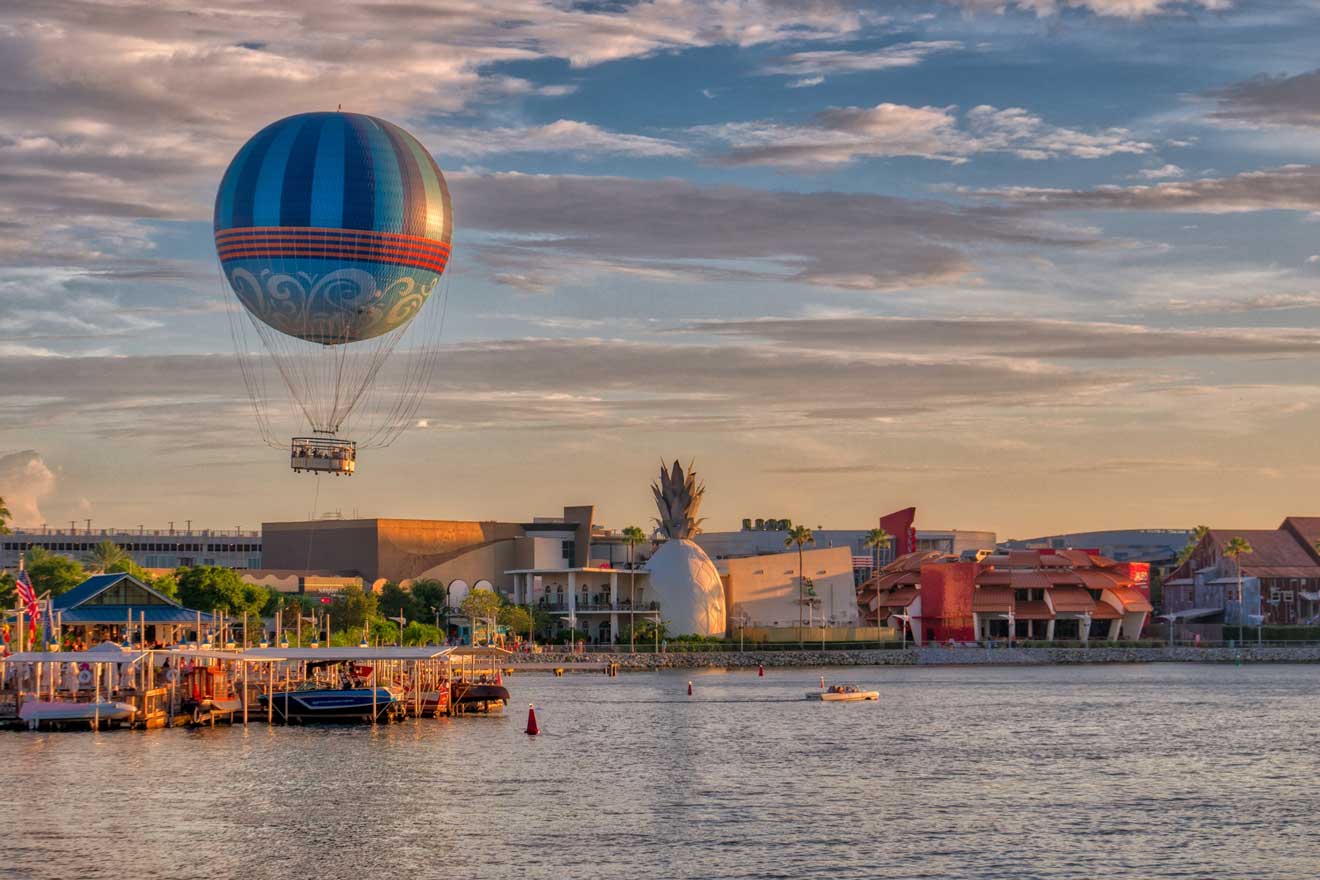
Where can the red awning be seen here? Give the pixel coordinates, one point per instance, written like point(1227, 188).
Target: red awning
point(900, 598)
point(1071, 600)
point(1105, 611)
point(997, 577)
point(992, 600)
point(1132, 599)
point(1030, 580)
point(1033, 611)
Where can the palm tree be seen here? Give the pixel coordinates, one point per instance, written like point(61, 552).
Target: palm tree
point(1193, 541)
point(104, 556)
point(632, 536)
point(877, 539)
point(1235, 549)
point(4, 517)
point(800, 535)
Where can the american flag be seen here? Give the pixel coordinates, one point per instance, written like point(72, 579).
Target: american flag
point(863, 561)
point(28, 597)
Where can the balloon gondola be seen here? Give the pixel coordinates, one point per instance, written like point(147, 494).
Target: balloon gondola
point(333, 231)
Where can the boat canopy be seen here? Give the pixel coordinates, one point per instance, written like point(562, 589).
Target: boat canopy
point(345, 654)
point(93, 656)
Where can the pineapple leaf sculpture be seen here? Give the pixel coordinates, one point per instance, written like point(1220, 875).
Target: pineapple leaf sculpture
point(682, 576)
point(678, 496)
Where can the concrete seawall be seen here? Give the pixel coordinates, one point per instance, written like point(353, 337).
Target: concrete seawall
point(937, 656)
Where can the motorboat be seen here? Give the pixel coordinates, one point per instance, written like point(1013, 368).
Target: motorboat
point(842, 693)
point(334, 704)
point(38, 713)
point(478, 694)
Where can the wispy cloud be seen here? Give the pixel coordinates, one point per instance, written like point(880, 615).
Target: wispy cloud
point(812, 67)
point(841, 135)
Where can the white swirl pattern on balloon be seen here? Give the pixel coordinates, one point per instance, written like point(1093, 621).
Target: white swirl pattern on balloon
point(344, 305)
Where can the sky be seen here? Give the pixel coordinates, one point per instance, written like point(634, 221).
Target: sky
point(1031, 266)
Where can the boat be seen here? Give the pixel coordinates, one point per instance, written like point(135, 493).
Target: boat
point(36, 713)
point(210, 695)
point(479, 695)
point(334, 704)
point(842, 693)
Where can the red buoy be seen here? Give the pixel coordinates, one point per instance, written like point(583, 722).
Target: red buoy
point(533, 729)
point(760, 670)
point(499, 679)
point(822, 682)
point(689, 688)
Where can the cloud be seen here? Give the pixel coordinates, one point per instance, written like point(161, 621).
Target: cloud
point(24, 481)
point(1128, 9)
point(122, 111)
point(551, 226)
point(1271, 100)
point(1288, 188)
point(813, 66)
point(1019, 338)
point(615, 385)
point(841, 135)
point(1161, 173)
point(564, 135)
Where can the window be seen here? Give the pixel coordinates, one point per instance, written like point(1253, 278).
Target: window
point(568, 548)
point(1287, 595)
point(1274, 594)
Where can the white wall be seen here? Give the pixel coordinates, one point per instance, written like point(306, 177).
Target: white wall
point(765, 588)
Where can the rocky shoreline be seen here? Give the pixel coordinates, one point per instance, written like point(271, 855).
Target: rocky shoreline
point(931, 656)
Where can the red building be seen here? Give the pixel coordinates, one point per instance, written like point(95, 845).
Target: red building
point(1032, 594)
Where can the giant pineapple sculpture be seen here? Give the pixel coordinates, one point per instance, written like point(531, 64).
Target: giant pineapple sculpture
point(683, 579)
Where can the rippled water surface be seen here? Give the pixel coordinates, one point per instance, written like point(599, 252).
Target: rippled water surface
point(1119, 771)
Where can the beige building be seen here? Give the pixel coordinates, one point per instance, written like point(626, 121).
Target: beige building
point(457, 552)
point(762, 591)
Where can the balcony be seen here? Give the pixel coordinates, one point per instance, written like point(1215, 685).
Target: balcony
point(604, 607)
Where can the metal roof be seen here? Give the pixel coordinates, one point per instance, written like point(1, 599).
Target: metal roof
point(114, 614)
point(98, 584)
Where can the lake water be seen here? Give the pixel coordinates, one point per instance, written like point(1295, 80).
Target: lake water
point(1080, 772)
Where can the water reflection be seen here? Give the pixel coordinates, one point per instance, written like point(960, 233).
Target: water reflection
point(1142, 771)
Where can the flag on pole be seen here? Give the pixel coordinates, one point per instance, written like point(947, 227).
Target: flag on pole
point(28, 597)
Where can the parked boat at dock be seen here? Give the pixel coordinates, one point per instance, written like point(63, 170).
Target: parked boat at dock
point(339, 705)
point(61, 713)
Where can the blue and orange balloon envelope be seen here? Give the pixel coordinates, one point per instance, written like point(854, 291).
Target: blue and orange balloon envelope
point(333, 227)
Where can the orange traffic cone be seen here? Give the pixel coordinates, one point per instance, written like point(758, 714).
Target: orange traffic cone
point(689, 688)
point(533, 729)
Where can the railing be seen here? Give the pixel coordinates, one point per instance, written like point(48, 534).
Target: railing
point(598, 606)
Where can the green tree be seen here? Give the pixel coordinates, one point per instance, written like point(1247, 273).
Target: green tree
point(800, 535)
point(430, 596)
point(632, 536)
point(417, 633)
point(1198, 534)
point(517, 618)
point(215, 588)
point(4, 517)
point(1235, 549)
point(395, 601)
point(8, 590)
point(479, 606)
point(51, 571)
point(104, 557)
point(877, 539)
point(352, 607)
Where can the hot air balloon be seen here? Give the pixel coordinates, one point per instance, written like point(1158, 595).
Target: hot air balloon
point(333, 231)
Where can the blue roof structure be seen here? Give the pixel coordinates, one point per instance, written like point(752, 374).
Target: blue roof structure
point(74, 607)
